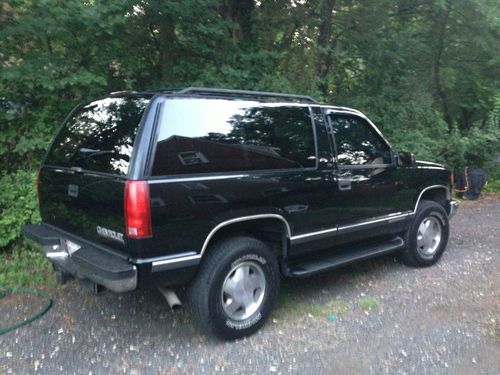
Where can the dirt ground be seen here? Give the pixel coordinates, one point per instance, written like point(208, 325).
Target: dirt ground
point(377, 317)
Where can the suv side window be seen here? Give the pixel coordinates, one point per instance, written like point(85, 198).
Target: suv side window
point(357, 143)
point(214, 135)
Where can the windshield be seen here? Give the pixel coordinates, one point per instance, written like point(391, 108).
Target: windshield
point(99, 136)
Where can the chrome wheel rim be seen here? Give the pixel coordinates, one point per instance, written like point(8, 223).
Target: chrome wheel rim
point(243, 290)
point(428, 237)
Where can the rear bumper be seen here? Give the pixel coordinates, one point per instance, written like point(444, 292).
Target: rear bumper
point(86, 262)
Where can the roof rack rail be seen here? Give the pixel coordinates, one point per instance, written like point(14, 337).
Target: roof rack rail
point(337, 108)
point(167, 90)
point(122, 92)
point(244, 93)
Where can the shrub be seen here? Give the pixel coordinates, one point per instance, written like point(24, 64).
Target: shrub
point(18, 205)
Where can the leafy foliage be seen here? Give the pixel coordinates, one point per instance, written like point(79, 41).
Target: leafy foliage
point(426, 72)
point(18, 204)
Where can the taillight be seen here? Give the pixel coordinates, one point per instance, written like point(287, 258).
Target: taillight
point(452, 180)
point(137, 210)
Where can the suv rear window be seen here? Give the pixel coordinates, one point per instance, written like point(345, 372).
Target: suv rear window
point(215, 135)
point(99, 136)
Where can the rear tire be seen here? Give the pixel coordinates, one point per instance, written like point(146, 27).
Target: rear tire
point(427, 237)
point(235, 289)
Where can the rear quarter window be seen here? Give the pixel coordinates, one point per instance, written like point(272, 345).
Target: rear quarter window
point(216, 135)
point(99, 136)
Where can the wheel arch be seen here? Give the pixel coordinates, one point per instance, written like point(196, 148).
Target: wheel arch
point(437, 193)
point(253, 224)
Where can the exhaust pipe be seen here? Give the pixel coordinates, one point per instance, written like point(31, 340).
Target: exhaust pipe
point(171, 297)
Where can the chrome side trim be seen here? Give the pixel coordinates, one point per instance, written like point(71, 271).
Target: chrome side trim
point(429, 188)
point(241, 219)
point(429, 167)
point(431, 162)
point(175, 262)
point(389, 218)
point(318, 233)
point(190, 179)
point(397, 216)
point(164, 258)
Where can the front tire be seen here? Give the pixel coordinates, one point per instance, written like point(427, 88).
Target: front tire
point(235, 289)
point(427, 237)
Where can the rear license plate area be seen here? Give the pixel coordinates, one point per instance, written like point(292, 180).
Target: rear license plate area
point(71, 246)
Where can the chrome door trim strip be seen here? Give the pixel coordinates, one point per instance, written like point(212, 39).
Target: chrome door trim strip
point(318, 233)
point(172, 258)
point(397, 216)
point(175, 260)
point(241, 219)
point(390, 218)
point(191, 179)
point(429, 167)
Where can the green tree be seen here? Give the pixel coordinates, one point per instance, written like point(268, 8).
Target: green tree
point(425, 71)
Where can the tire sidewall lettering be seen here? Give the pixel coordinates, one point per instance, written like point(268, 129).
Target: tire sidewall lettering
point(246, 323)
point(249, 257)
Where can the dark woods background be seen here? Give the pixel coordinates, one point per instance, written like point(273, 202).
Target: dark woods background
point(425, 71)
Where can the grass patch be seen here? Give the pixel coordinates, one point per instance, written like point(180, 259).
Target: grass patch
point(492, 186)
point(293, 304)
point(333, 307)
point(25, 268)
point(289, 303)
point(369, 303)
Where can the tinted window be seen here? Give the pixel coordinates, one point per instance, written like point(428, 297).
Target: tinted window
point(214, 135)
point(358, 143)
point(99, 136)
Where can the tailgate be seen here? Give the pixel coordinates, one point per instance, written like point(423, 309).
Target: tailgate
point(85, 204)
point(82, 180)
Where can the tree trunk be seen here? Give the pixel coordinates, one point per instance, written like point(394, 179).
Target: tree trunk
point(325, 31)
point(167, 45)
point(240, 13)
point(439, 31)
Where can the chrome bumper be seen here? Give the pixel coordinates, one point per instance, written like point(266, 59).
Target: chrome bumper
point(78, 266)
point(87, 262)
point(453, 208)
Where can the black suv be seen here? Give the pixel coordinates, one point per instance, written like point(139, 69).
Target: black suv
point(223, 191)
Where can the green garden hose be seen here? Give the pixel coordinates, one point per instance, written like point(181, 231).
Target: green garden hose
point(45, 307)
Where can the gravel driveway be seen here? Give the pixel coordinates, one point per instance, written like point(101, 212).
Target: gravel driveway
point(377, 317)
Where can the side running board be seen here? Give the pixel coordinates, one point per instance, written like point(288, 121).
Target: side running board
point(327, 262)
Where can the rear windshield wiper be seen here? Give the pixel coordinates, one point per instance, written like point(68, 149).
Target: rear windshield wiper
point(90, 152)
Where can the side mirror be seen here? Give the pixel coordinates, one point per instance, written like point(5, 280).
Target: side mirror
point(405, 159)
